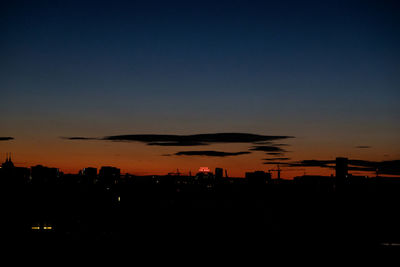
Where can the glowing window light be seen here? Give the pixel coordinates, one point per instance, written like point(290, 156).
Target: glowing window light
point(47, 227)
point(204, 169)
point(35, 227)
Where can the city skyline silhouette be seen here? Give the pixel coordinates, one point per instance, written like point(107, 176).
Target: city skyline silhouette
point(276, 121)
point(43, 204)
point(367, 169)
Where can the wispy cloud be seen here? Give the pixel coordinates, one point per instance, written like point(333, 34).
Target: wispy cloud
point(313, 163)
point(271, 148)
point(285, 164)
point(187, 140)
point(195, 139)
point(79, 138)
point(7, 138)
point(185, 143)
point(275, 153)
point(210, 153)
point(383, 167)
point(264, 143)
point(276, 159)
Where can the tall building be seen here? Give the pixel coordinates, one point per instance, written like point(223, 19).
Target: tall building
point(109, 175)
point(44, 175)
point(89, 175)
point(219, 173)
point(341, 167)
point(90, 171)
point(341, 173)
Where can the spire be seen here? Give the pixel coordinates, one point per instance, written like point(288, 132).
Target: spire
point(8, 163)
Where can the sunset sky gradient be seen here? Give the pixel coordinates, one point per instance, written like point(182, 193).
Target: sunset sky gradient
point(326, 73)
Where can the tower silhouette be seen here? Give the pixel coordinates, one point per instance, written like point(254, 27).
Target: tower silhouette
point(341, 167)
point(8, 163)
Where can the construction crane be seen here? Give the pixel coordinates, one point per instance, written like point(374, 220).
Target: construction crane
point(279, 170)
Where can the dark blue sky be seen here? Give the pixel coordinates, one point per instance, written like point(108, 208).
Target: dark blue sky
point(311, 69)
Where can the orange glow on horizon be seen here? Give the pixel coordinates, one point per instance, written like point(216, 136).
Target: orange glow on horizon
point(140, 159)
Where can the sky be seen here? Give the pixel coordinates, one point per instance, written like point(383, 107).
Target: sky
point(323, 75)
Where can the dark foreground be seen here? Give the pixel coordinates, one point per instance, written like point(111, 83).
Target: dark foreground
point(166, 216)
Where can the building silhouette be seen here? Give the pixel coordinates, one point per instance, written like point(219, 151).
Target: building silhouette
point(258, 177)
point(341, 171)
point(8, 163)
point(89, 175)
point(44, 175)
point(96, 205)
point(341, 167)
point(11, 175)
point(108, 175)
point(219, 173)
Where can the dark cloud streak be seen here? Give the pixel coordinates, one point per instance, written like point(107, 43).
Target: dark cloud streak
point(210, 153)
point(275, 159)
point(260, 141)
point(79, 138)
point(177, 144)
point(383, 167)
point(313, 163)
point(7, 138)
point(267, 149)
point(196, 139)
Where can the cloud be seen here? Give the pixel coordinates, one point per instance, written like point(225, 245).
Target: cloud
point(275, 159)
point(188, 143)
point(263, 143)
point(195, 139)
point(271, 148)
point(363, 147)
point(188, 140)
point(259, 142)
point(7, 138)
point(383, 167)
point(285, 164)
point(313, 163)
point(210, 153)
point(275, 153)
point(79, 138)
